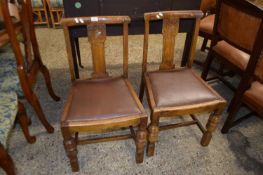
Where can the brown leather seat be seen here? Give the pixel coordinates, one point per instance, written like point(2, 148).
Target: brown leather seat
point(237, 57)
point(93, 100)
point(207, 24)
point(175, 88)
point(254, 97)
point(231, 54)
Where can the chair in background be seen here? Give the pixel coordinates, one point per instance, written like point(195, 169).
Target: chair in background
point(207, 22)
point(237, 42)
point(56, 11)
point(40, 12)
point(177, 91)
point(23, 69)
point(251, 98)
point(10, 109)
point(101, 103)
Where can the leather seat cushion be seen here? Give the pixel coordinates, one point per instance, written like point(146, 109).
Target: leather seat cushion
point(254, 96)
point(178, 88)
point(99, 100)
point(232, 54)
point(207, 24)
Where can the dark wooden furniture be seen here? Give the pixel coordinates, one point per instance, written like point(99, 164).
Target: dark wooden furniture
point(101, 103)
point(133, 8)
point(29, 65)
point(237, 42)
point(56, 11)
point(40, 12)
point(177, 91)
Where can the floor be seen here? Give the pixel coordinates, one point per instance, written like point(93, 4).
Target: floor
point(178, 150)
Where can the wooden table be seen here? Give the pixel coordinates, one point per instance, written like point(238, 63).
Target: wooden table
point(133, 8)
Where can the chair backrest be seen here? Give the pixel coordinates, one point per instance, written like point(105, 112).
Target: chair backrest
point(240, 23)
point(96, 27)
point(171, 20)
point(27, 65)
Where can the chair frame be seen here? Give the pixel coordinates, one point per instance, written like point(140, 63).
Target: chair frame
point(171, 26)
point(26, 76)
point(97, 36)
point(247, 74)
point(39, 12)
point(59, 14)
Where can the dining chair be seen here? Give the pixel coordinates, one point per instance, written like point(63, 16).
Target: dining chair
point(252, 98)
point(56, 11)
point(101, 103)
point(237, 42)
point(207, 22)
point(24, 62)
point(174, 91)
point(10, 110)
point(40, 15)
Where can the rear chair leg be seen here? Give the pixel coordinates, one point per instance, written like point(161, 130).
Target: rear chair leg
point(24, 122)
point(6, 161)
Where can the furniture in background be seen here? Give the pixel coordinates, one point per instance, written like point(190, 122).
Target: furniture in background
point(177, 91)
point(237, 43)
point(25, 67)
point(133, 8)
point(10, 109)
point(40, 15)
point(102, 103)
point(56, 11)
point(207, 22)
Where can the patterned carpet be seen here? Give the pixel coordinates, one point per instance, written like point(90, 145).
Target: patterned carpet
point(178, 150)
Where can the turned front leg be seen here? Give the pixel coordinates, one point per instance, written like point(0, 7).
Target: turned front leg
point(153, 131)
point(141, 139)
point(211, 127)
point(70, 146)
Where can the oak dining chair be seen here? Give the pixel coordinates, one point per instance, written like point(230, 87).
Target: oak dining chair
point(174, 91)
point(101, 103)
point(237, 44)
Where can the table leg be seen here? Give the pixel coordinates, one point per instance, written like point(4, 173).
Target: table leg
point(78, 52)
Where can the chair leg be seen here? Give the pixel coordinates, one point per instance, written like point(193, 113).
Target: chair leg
point(207, 65)
point(230, 118)
point(153, 131)
point(142, 89)
point(76, 41)
point(203, 47)
point(46, 75)
point(141, 139)
point(34, 102)
point(24, 121)
point(211, 127)
point(70, 146)
point(52, 18)
point(46, 17)
point(6, 161)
